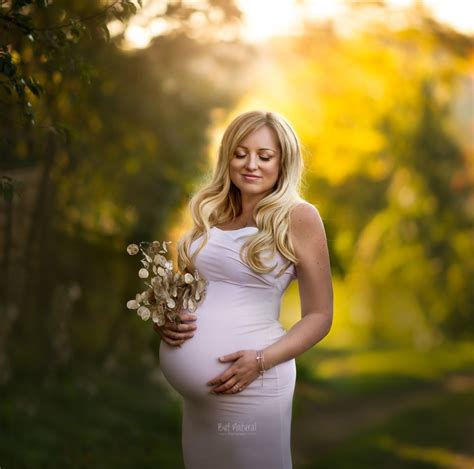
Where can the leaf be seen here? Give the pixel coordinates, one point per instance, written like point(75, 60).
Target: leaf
point(18, 4)
point(128, 8)
point(105, 31)
point(119, 15)
point(7, 67)
point(76, 32)
point(9, 187)
point(6, 87)
point(60, 37)
point(35, 88)
point(63, 131)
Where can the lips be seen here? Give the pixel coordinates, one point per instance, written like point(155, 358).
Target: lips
point(251, 176)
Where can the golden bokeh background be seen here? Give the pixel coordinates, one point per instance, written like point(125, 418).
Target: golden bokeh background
point(111, 115)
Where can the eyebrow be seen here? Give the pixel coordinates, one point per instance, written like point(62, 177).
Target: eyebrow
point(271, 149)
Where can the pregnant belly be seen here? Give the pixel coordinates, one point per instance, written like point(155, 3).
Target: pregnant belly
point(188, 368)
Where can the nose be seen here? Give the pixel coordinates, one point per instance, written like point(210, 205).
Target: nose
point(251, 162)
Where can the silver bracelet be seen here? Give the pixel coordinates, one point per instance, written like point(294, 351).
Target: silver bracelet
point(261, 363)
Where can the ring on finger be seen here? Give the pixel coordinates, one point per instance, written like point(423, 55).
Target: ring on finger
point(236, 388)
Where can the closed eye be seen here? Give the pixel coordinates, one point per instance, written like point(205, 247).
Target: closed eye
point(263, 158)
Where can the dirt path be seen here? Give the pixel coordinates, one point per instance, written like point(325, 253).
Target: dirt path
point(317, 427)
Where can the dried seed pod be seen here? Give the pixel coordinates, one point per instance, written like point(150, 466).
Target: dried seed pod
point(143, 273)
point(159, 320)
point(160, 260)
point(154, 248)
point(132, 249)
point(132, 304)
point(144, 312)
point(148, 258)
point(168, 291)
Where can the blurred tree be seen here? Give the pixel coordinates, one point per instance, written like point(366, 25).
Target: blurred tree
point(387, 168)
point(107, 160)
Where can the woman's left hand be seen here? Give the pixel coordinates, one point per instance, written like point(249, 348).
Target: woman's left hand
point(243, 371)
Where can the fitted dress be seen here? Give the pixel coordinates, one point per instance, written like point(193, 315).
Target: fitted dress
point(251, 428)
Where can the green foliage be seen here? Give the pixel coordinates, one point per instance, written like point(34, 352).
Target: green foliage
point(23, 22)
point(9, 188)
point(437, 434)
point(126, 419)
point(389, 168)
point(95, 420)
point(384, 407)
point(121, 136)
point(107, 162)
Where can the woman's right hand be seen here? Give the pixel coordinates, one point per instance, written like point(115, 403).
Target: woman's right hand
point(176, 334)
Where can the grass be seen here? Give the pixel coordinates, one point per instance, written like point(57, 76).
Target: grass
point(356, 373)
point(98, 421)
point(361, 400)
point(385, 408)
point(437, 435)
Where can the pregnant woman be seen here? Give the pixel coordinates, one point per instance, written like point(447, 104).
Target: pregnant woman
point(233, 363)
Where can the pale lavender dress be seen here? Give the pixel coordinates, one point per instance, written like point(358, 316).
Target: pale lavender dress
point(250, 429)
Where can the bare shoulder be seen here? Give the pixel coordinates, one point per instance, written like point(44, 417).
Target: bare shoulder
point(305, 219)
point(306, 229)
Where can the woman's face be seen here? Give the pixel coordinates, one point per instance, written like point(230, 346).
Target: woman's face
point(257, 155)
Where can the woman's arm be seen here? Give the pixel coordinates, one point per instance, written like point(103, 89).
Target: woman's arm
point(315, 287)
point(316, 295)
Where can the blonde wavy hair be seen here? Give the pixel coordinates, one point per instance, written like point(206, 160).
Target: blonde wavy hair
point(218, 201)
